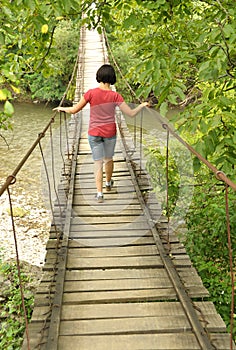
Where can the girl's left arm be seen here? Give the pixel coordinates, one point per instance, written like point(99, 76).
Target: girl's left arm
point(74, 109)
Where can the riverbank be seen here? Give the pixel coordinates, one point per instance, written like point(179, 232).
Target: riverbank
point(32, 225)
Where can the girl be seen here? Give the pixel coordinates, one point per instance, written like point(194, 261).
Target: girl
point(102, 126)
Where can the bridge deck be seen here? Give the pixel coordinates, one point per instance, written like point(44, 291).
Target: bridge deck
point(107, 286)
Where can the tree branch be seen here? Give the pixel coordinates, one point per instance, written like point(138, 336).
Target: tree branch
point(48, 49)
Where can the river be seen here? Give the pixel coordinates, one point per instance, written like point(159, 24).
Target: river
point(29, 119)
point(32, 219)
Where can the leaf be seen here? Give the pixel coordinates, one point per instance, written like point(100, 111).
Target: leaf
point(4, 94)
point(164, 109)
point(200, 148)
point(8, 108)
point(179, 92)
point(30, 4)
point(203, 126)
point(2, 38)
point(172, 98)
point(228, 30)
point(44, 29)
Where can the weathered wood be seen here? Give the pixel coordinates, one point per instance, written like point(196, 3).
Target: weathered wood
point(126, 326)
point(182, 341)
point(119, 296)
point(107, 262)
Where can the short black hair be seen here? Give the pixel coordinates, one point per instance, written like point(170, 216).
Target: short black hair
point(106, 74)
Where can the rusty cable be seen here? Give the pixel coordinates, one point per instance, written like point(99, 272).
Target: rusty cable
point(219, 174)
point(19, 269)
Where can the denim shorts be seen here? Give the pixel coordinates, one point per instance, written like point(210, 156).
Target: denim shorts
point(102, 147)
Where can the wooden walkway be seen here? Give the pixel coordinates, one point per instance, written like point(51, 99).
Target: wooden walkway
point(109, 284)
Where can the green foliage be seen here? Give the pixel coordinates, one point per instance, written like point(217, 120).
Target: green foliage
point(156, 166)
point(5, 116)
point(184, 54)
point(178, 181)
point(26, 37)
point(206, 240)
point(12, 315)
point(52, 83)
point(124, 58)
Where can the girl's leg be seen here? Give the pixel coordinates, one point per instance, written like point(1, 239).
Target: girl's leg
point(98, 174)
point(109, 166)
point(109, 149)
point(96, 144)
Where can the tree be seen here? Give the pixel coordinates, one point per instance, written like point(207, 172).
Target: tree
point(26, 36)
point(186, 57)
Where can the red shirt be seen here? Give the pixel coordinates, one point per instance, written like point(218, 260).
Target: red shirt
point(102, 111)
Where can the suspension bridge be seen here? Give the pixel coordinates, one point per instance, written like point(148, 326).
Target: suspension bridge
point(115, 275)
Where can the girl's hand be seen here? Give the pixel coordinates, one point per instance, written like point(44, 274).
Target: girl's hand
point(58, 109)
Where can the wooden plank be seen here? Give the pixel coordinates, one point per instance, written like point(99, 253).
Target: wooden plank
point(100, 226)
point(169, 323)
point(107, 262)
point(102, 274)
point(111, 241)
point(52, 243)
point(118, 284)
point(111, 199)
point(112, 234)
point(88, 181)
point(119, 296)
point(101, 209)
point(126, 326)
point(115, 252)
point(109, 220)
point(130, 310)
point(181, 341)
point(121, 310)
point(124, 285)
